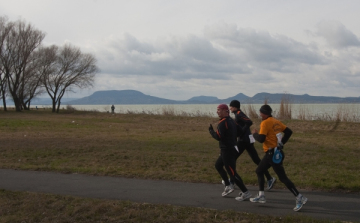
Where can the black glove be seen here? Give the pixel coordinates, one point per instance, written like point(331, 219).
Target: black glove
point(280, 146)
point(211, 129)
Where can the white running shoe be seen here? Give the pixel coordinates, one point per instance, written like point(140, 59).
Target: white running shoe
point(300, 202)
point(270, 183)
point(243, 196)
point(223, 183)
point(258, 199)
point(228, 189)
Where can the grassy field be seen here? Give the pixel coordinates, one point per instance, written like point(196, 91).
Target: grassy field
point(25, 207)
point(321, 155)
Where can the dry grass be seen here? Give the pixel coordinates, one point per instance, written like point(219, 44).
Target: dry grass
point(108, 144)
point(343, 113)
point(320, 155)
point(250, 111)
point(27, 207)
point(285, 110)
point(303, 113)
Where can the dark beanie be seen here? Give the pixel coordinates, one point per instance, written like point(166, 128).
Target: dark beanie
point(266, 110)
point(235, 104)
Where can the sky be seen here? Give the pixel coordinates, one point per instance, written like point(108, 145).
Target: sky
point(182, 49)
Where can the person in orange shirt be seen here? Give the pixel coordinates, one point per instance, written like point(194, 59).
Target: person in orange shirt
point(269, 128)
point(243, 139)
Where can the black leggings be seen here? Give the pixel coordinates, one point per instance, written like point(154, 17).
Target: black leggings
point(227, 159)
point(249, 147)
point(265, 164)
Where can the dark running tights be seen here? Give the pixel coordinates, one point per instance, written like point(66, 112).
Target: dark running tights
point(249, 147)
point(265, 164)
point(227, 159)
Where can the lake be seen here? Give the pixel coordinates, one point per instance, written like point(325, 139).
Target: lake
point(311, 111)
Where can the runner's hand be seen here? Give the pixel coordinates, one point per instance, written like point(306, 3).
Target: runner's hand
point(211, 128)
point(280, 146)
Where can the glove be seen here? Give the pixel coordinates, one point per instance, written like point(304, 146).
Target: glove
point(211, 128)
point(280, 146)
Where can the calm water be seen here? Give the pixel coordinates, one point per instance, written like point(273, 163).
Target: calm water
point(311, 111)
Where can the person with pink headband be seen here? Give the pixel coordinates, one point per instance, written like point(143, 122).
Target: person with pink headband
point(226, 134)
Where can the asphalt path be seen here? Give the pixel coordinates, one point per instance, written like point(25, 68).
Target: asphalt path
point(320, 205)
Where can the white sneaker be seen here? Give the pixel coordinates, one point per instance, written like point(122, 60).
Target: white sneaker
point(223, 183)
point(258, 199)
point(228, 189)
point(243, 196)
point(300, 202)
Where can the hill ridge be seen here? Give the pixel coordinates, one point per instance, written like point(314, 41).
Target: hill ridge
point(137, 97)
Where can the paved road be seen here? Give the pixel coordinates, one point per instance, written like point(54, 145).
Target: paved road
point(321, 205)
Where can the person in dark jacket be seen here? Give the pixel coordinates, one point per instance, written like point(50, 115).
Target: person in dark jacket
point(226, 135)
point(270, 128)
point(245, 140)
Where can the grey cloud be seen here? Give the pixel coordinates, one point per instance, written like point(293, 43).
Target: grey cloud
point(337, 35)
point(224, 52)
point(175, 57)
point(278, 53)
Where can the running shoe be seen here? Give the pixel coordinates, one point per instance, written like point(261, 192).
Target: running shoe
point(270, 183)
point(228, 189)
point(243, 196)
point(232, 183)
point(258, 199)
point(300, 202)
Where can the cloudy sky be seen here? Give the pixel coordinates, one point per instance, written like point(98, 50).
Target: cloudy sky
point(181, 49)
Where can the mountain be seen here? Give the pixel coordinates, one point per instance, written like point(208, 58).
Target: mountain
point(136, 97)
point(305, 98)
point(240, 97)
point(202, 99)
point(120, 97)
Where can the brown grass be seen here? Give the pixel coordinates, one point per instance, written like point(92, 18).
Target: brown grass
point(285, 110)
point(28, 207)
point(108, 144)
point(320, 155)
point(251, 112)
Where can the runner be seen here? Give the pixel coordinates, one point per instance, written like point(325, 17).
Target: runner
point(226, 135)
point(269, 127)
point(245, 140)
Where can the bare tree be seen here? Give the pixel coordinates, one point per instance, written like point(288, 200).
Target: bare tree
point(18, 45)
point(71, 69)
point(41, 62)
point(5, 28)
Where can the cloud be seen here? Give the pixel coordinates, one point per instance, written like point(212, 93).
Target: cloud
point(337, 35)
point(261, 50)
point(224, 59)
point(173, 57)
point(223, 50)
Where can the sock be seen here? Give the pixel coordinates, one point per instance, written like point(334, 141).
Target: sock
point(261, 193)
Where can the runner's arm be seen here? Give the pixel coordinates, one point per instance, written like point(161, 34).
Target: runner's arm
point(259, 137)
point(287, 133)
point(221, 128)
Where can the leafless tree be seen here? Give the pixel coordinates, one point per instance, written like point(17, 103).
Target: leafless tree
point(33, 73)
point(5, 28)
point(18, 46)
point(71, 69)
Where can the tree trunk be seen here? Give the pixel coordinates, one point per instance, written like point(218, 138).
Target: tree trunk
point(53, 105)
point(24, 106)
point(4, 102)
point(17, 104)
point(58, 107)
